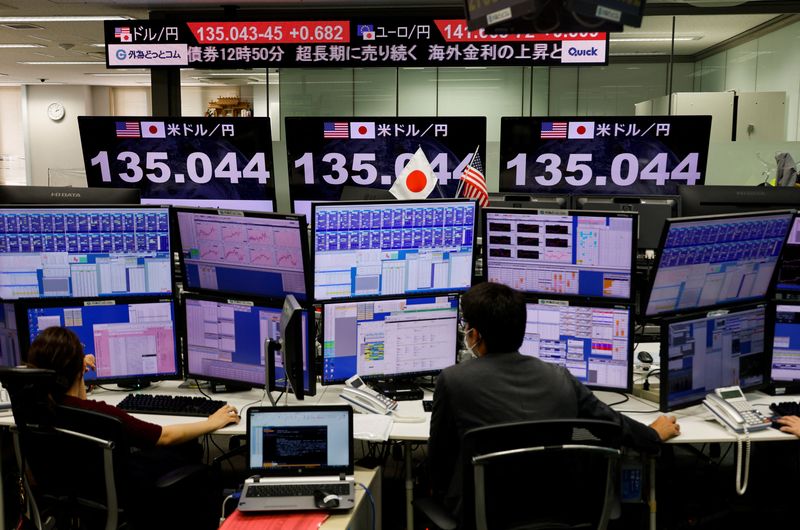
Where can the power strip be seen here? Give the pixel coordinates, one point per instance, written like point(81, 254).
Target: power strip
point(653, 394)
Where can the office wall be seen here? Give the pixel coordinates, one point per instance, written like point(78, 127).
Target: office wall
point(12, 145)
point(55, 147)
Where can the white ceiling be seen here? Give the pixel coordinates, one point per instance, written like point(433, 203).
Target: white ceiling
point(73, 41)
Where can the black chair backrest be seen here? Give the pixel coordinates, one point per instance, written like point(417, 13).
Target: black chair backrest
point(553, 472)
point(29, 390)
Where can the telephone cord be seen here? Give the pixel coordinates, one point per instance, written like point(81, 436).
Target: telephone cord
point(742, 487)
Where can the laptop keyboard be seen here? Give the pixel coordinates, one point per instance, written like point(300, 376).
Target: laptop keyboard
point(171, 405)
point(295, 490)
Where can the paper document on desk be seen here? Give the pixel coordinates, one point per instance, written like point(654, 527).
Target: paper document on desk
point(372, 427)
point(272, 521)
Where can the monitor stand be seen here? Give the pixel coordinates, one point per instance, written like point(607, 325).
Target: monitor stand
point(398, 390)
point(218, 388)
point(134, 385)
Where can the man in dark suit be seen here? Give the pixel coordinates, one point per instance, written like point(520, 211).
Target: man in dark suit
point(501, 385)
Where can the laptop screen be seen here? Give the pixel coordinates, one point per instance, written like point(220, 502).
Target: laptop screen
point(298, 441)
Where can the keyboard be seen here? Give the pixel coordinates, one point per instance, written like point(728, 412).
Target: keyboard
point(295, 490)
point(169, 405)
point(785, 408)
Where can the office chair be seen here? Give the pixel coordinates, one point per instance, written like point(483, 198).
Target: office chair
point(75, 463)
point(566, 468)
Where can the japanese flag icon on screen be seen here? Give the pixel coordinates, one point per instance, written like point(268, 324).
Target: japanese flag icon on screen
point(581, 130)
point(364, 130)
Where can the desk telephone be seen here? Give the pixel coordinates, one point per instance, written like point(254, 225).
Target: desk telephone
point(364, 399)
point(731, 408)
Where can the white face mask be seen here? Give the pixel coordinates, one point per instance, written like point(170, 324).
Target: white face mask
point(470, 349)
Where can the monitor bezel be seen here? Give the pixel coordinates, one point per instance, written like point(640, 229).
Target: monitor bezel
point(690, 193)
point(378, 377)
point(399, 203)
point(303, 228)
point(722, 305)
point(696, 315)
point(22, 306)
point(573, 213)
point(599, 304)
point(123, 196)
point(170, 237)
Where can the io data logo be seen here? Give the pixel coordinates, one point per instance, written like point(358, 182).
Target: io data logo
point(583, 51)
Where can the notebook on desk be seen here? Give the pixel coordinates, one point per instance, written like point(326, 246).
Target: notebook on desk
point(300, 458)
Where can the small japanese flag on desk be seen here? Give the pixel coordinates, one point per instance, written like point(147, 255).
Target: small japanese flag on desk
point(416, 181)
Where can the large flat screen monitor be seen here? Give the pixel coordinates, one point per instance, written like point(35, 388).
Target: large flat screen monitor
point(64, 195)
point(375, 249)
point(653, 212)
point(132, 341)
point(593, 342)
point(226, 340)
point(789, 267)
point(243, 253)
point(84, 252)
point(715, 200)
point(9, 339)
point(378, 339)
point(786, 344)
point(588, 254)
point(706, 262)
point(702, 352)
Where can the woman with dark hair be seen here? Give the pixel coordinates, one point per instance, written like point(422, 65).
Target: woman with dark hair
point(60, 350)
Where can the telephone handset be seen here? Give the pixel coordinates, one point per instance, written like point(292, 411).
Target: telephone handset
point(731, 408)
point(365, 399)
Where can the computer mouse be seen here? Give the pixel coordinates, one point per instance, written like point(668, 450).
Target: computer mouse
point(645, 357)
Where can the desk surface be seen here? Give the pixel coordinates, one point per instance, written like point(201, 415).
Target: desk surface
point(697, 425)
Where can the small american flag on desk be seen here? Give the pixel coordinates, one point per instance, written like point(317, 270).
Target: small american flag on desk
point(336, 129)
point(554, 129)
point(474, 182)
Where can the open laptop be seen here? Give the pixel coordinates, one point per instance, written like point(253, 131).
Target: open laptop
point(301, 458)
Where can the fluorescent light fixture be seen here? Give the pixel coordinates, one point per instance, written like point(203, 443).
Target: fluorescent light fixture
point(63, 18)
point(234, 74)
point(654, 39)
point(97, 45)
point(66, 63)
point(21, 45)
point(122, 74)
point(636, 54)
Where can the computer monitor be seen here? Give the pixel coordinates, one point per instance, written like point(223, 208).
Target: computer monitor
point(243, 253)
point(66, 195)
point(785, 370)
point(717, 260)
point(84, 251)
point(375, 249)
point(587, 254)
point(701, 352)
point(714, 200)
point(529, 200)
point(226, 340)
point(133, 342)
point(382, 339)
point(9, 339)
point(652, 210)
point(789, 267)
point(594, 342)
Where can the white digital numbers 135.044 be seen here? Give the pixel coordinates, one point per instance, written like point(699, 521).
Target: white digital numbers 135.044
point(624, 170)
point(199, 168)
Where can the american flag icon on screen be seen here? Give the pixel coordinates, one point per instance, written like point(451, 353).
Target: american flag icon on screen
point(554, 129)
point(336, 129)
point(128, 129)
point(123, 34)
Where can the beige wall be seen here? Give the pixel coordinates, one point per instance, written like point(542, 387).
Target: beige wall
point(12, 141)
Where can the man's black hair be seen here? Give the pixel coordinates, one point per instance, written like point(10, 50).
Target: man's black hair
point(498, 313)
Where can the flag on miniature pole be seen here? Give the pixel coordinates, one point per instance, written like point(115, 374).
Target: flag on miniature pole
point(416, 181)
point(473, 183)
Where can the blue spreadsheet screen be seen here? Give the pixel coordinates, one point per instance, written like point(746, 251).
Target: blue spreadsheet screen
point(786, 343)
point(226, 340)
point(717, 261)
point(389, 337)
point(84, 252)
point(128, 340)
point(789, 267)
point(389, 249)
point(256, 256)
point(593, 343)
point(712, 352)
point(560, 253)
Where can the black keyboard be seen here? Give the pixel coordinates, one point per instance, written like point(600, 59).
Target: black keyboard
point(169, 405)
point(295, 490)
point(785, 408)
